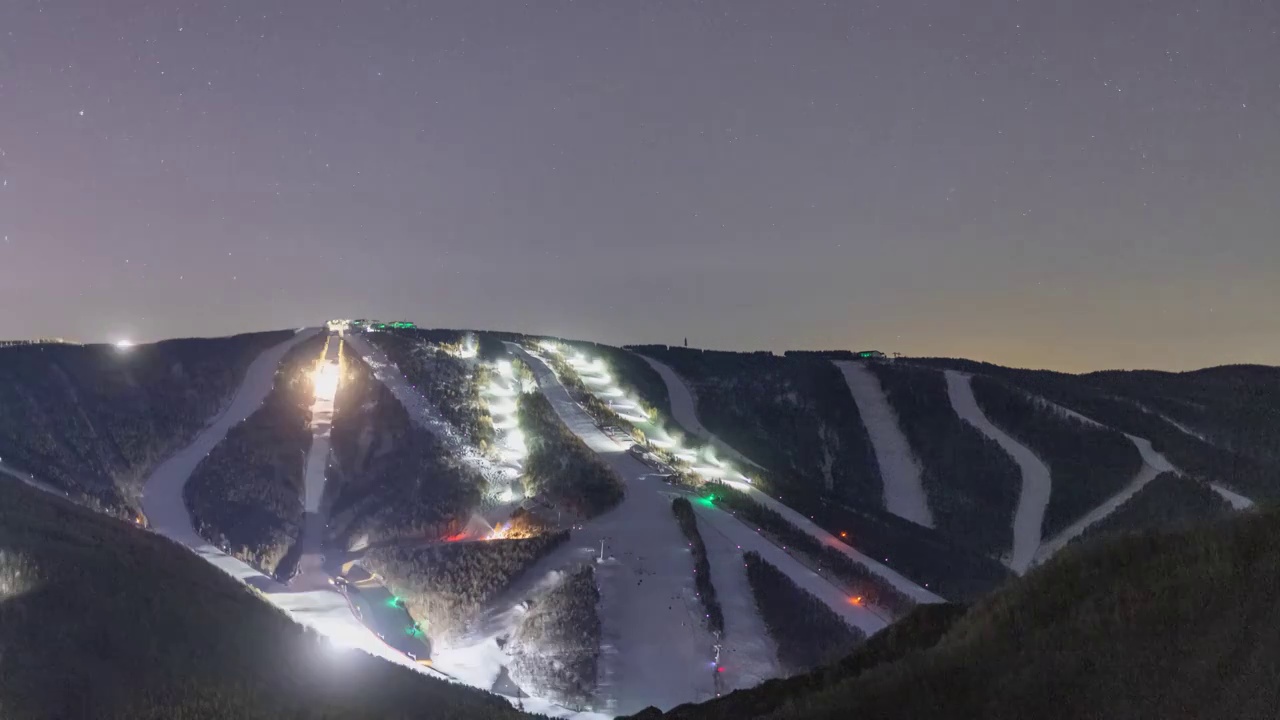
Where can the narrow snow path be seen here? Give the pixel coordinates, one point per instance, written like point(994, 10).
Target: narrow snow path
point(1238, 501)
point(904, 493)
point(748, 655)
point(1153, 463)
point(684, 409)
point(311, 573)
point(1036, 485)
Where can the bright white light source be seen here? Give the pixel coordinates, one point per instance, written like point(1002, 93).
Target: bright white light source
point(124, 344)
point(326, 381)
point(504, 369)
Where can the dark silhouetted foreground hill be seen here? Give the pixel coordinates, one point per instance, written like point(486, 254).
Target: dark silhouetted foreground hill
point(102, 620)
point(1178, 625)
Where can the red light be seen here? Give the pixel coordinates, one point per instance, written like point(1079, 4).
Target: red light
point(720, 669)
point(844, 534)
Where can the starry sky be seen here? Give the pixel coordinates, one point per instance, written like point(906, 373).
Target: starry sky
point(1069, 185)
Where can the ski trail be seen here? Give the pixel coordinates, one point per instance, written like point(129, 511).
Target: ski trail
point(904, 493)
point(1153, 463)
point(684, 408)
point(1036, 484)
point(1238, 501)
point(655, 649)
point(804, 524)
point(162, 500)
point(748, 655)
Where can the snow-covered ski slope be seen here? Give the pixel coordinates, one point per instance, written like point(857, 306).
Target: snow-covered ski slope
point(684, 409)
point(748, 655)
point(477, 659)
point(904, 493)
point(655, 649)
point(311, 573)
point(1153, 463)
point(426, 414)
point(326, 611)
point(677, 388)
point(1036, 485)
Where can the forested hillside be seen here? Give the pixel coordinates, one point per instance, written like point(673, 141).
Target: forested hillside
point(1249, 463)
point(972, 483)
point(560, 467)
point(1087, 463)
point(390, 477)
point(246, 496)
point(429, 360)
point(792, 415)
point(99, 619)
point(93, 420)
point(1154, 625)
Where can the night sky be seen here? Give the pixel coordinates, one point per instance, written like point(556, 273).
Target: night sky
point(1062, 184)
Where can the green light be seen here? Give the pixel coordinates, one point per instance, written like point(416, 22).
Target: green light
point(707, 501)
point(393, 601)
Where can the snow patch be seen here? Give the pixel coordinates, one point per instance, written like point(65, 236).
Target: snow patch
point(904, 493)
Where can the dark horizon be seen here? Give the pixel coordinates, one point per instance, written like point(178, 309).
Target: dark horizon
point(676, 343)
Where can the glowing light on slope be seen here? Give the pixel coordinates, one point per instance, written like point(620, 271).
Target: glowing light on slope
point(326, 381)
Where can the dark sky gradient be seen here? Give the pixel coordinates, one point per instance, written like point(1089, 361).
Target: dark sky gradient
point(1072, 185)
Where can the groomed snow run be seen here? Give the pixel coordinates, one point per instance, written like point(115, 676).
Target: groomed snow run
point(1153, 463)
point(655, 649)
point(904, 493)
point(1036, 485)
point(422, 410)
point(893, 577)
point(716, 522)
point(326, 611)
point(1237, 501)
point(747, 654)
point(684, 409)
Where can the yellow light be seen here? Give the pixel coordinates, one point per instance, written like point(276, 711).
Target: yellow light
point(326, 381)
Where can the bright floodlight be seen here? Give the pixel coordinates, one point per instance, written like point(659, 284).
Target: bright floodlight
point(124, 344)
point(504, 369)
point(326, 381)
